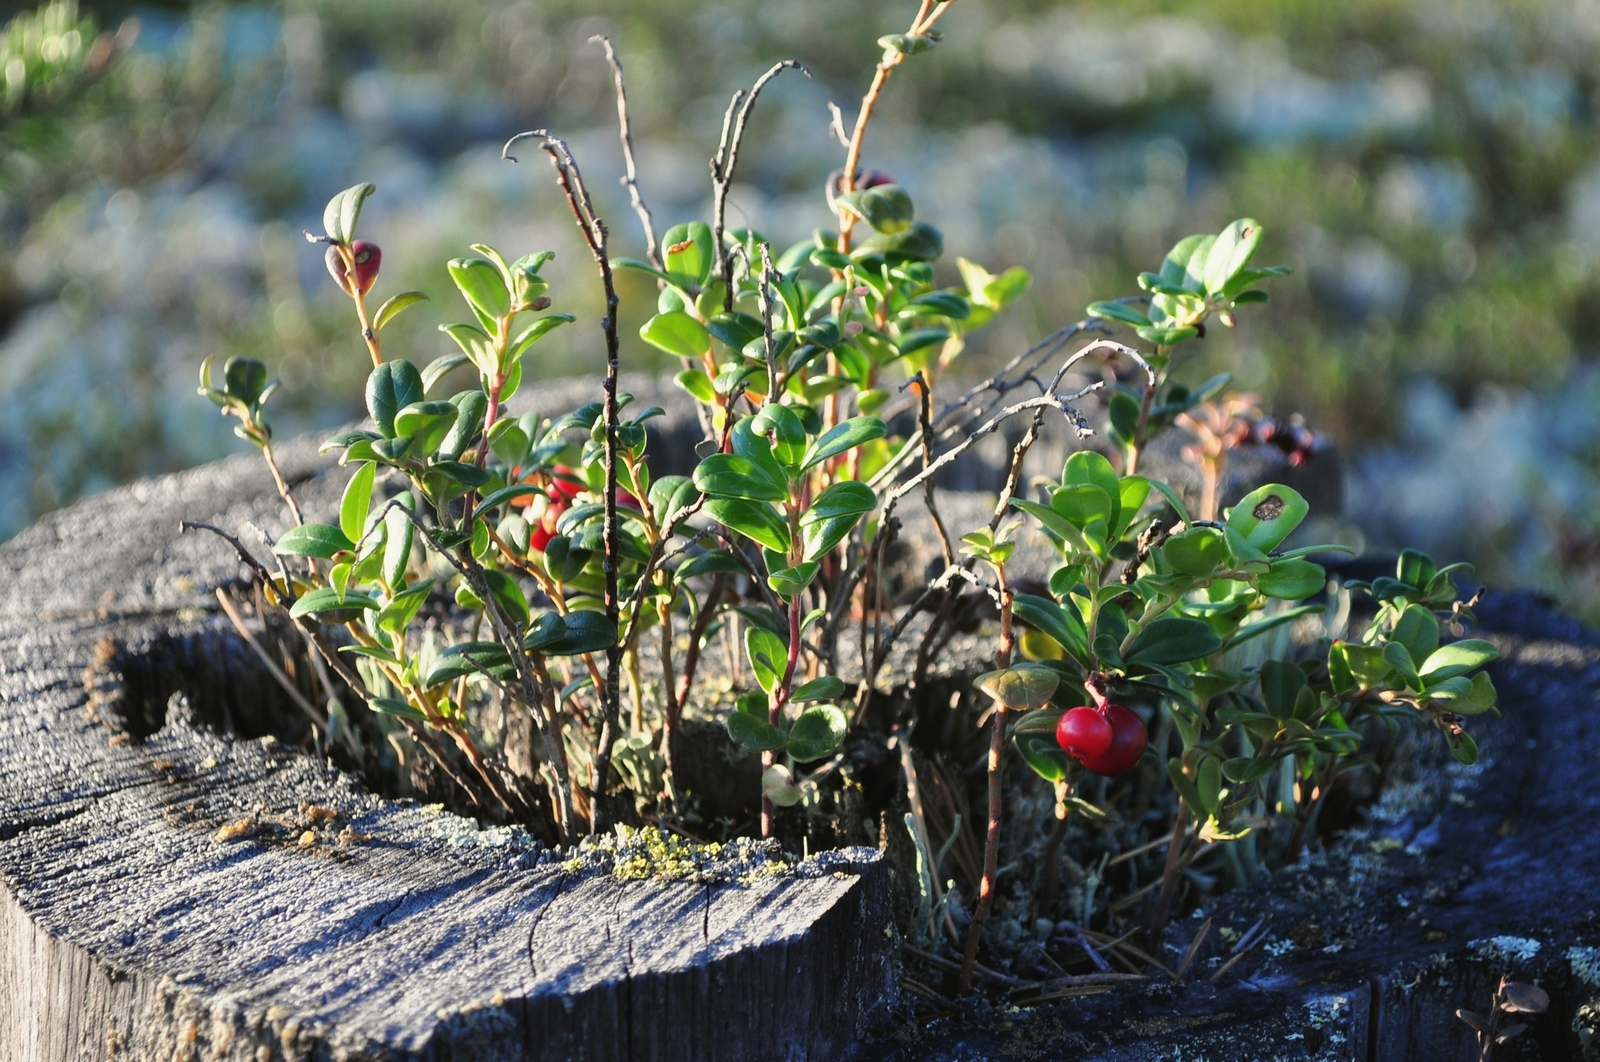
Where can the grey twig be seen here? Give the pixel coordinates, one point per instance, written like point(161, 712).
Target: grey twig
point(630, 178)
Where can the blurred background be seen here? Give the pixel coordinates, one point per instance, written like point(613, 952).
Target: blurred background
point(1430, 168)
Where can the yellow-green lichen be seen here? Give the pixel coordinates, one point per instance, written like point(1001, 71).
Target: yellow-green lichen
point(652, 854)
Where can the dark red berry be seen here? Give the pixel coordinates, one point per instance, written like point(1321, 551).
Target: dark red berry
point(368, 258)
point(1128, 739)
point(1084, 734)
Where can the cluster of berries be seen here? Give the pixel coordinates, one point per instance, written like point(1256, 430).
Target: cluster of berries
point(1291, 435)
point(1109, 739)
point(563, 487)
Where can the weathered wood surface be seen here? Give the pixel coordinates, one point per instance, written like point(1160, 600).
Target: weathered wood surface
point(394, 931)
point(1464, 874)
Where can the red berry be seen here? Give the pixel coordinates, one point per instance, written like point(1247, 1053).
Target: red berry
point(1084, 734)
point(1128, 739)
point(368, 258)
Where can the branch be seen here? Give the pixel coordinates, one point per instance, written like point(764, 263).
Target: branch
point(594, 232)
point(630, 179)
point(727, 158)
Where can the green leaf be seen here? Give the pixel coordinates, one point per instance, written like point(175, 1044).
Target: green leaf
point(509, 595)
point(398, 537)
point(1418, 630)
point(845, 436)
point(1267, 515)
point(1087, 508)
point(579, 631)
point(939, 304)
point(826, 688)
point(787, 582)
point(392, 307)
point(834, 515)
point(1199, 551)
point(698, 384)
point(438, 367)
point(640, 266)
point(1123, 411)
point(357, 501)
point(474, 343)
point(919, 241)
point(482, 285)
point(1457, 658)
point(689, 253)
point(313, 540)
point(755, 734)
point(887, 208)
point(1464, 749)
point(1119, 311)
point(537, 331)
point(817, 733)
point(427, 424)
point(1024, 686)
point(402, 608)
point(918, 338)
point(768, 656)
point(470, 409)
point(732, 476)
point(390, 388)
point(1041, 753)
point(757, 521)
point(736, 328)
point(1231, 252)
point(1172, 500)
point(1246, 769)
point(787, 434)
point(343, 211)
point(1292, 580)
point(468, 660)
point(1133, 491)
point(1166, 335)
point(1271, 623)
point(1061, 624)
point(1397, 656)
point(1209, 785)
point(1173, 640)
point(327, 599)
point(392, 706)
point(1281, 686)
point(1480, 699)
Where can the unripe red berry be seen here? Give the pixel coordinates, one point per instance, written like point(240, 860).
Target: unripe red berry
point(1084, 734)
point(367, 258)
point(1128, 740)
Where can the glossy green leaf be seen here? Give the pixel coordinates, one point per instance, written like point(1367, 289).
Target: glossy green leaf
point(1231, 253)
point(1457, 658)
point(736, 328)
point(1023, 686)
point(327, 599)
point(1199, 551)
point(395, 707)
point(1126, 313)
point(393, 306)
point(397, 541)
point(1398, 657)
point(755, 734)
point(1041, 753)
point(697, 383)
point(482, 285)
point(689, 253)
point(537, 331)
point(579, 631)
point(1464, 749)
point(732, 476)
point(787, 582)
point(343, 212)
point(1418, 630)
point(1173, 640)
point(676, 333)
point(390, 388)
point(1292, 580)
point(313, 540)
point(768, 656)
point(1267, 515)
point(357, 501)
point(919, 241)
point(826, 688)
point(817, 733)
point(1062, 624)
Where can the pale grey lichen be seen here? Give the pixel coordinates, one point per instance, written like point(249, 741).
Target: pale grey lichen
point(1515, 949)
point(1585, 965)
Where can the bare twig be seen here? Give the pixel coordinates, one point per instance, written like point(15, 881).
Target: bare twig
point(727, 158)
point(630, 179)
point(594, 233)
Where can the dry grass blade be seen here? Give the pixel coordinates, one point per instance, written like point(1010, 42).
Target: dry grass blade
point(283, 680)
point(1141, 850)
point(1252, 936)
point(1116, 948)
point(981, 970)
point(920, 989)
point(1194, 949)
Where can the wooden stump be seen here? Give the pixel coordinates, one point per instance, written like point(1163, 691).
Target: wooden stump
point(198, 896)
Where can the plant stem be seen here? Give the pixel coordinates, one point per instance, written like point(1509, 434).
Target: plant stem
point(283, 486)
point(997, 745)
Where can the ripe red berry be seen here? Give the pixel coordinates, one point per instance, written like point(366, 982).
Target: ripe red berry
point(1128, 739)
point(1084, 734)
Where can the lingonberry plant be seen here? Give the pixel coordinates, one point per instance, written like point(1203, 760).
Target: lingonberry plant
point(482, 558)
